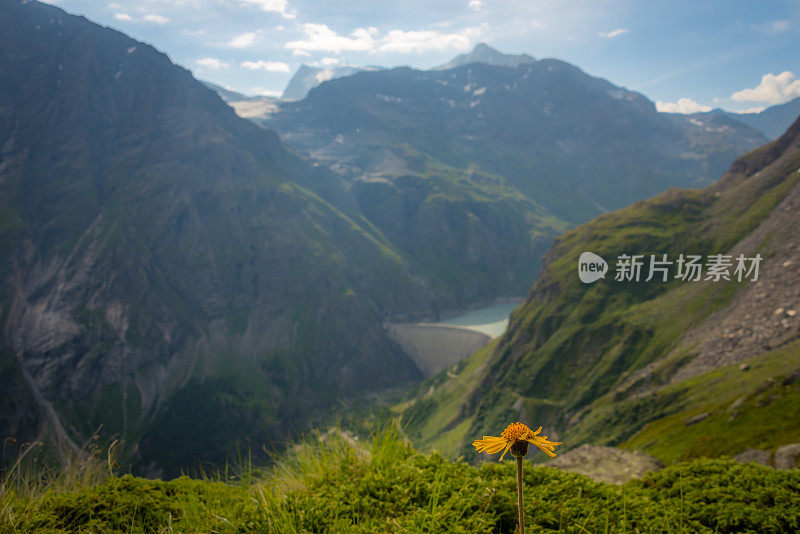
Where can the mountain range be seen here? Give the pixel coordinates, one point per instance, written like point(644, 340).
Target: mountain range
point(574, 144)
point(179, 278)
point(772, 121)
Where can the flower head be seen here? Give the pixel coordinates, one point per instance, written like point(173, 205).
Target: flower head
point(515, 437)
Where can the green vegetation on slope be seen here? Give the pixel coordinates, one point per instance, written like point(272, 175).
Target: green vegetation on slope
point(431, 411)
point(739, 409)
point(457, 224)
point(172, 244)
point(335, 484)
point(570, 358)
point(197, 278)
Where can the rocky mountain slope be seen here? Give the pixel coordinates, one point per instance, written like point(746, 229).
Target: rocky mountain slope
point(677, 368)
point(170, 273)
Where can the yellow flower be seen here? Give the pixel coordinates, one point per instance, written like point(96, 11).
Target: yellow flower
point(518, 436)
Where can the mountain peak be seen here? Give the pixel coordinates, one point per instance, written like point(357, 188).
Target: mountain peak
point(483, 53)
point(482, 48)
point(307, 77)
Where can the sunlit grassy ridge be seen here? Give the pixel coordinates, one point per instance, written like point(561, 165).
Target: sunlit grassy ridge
point(333, 483)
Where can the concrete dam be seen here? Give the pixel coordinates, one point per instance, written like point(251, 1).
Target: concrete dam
point(436, 346)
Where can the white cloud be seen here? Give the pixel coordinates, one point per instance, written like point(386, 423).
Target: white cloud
point(420, 41)
point(772, 89)
point(324, 75)
point(757, 109)
point(773, 27)
point(683, 105)
point(212, 63)
point(124, 17)
point(322, 38)
point(614, 33)
point(260, 91)
point(325, 62)
point(277, 6)
point(245, 40)
point(780, 26)
point(475, 4)
point(156, 19)
point(269, 66)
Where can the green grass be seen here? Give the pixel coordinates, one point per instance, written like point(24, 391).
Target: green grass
point(758, 408)
point(334, 483)
point(431, 417)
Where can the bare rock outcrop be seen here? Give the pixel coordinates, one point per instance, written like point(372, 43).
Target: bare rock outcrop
point(756, 456)
point(606, 464)
point(788, 456)
point(785, 457)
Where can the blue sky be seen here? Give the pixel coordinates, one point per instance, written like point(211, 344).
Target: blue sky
point(686, 55)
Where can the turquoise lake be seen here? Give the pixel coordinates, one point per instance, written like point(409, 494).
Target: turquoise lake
point(492, 320)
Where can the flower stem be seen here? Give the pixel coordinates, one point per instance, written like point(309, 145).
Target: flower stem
point(521, 511)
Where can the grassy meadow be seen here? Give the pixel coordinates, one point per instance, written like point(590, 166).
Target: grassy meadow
point(334, 482)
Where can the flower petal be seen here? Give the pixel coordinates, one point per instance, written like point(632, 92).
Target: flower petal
point(505, 451)
point(489, 444)
point(546, 446)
